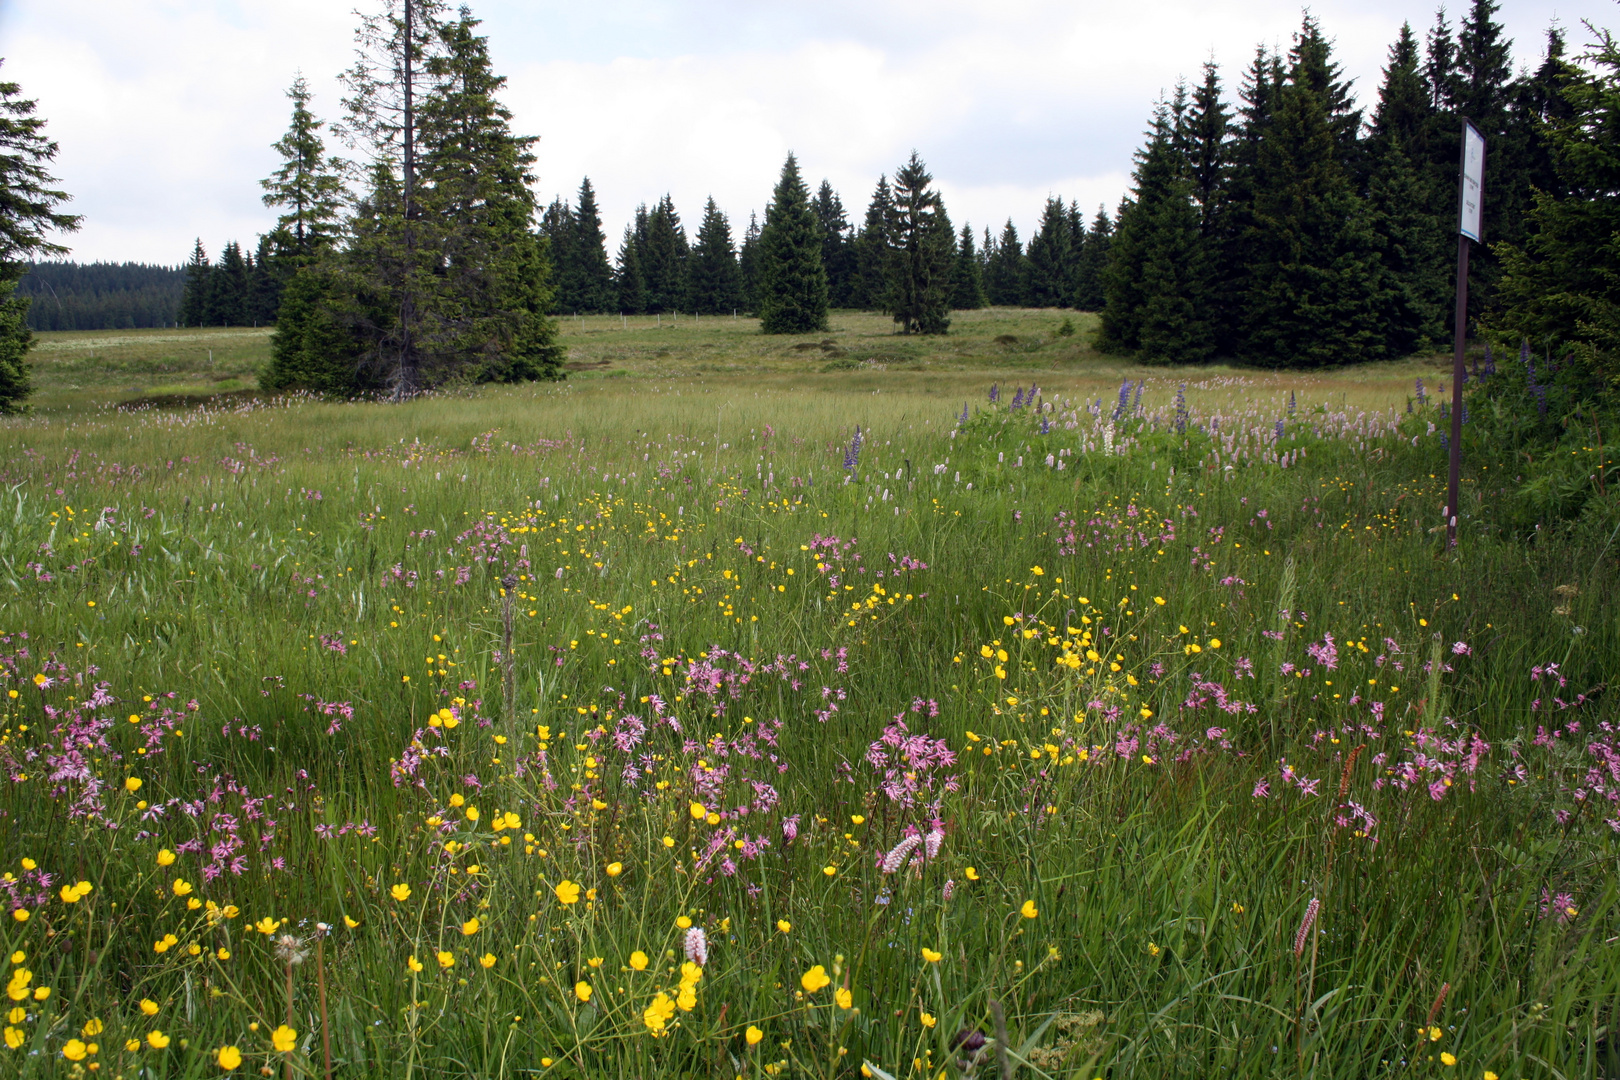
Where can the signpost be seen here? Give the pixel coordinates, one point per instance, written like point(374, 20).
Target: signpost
point(1470, 227)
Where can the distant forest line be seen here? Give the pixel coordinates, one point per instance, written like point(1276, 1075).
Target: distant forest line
point(67, 295)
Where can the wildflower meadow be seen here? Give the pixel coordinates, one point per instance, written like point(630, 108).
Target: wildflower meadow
point(683, 728)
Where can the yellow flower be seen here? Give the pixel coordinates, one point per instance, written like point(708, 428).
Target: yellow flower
point(74, 1050)
point(1448, 1060)
point(971, 874)
point(845, 999)
point(829, 870)
point(446, 960)
point(457, 800)
point(414, 964)
point(930, 955)
point(228, 1057)
point(698, 811)
point(614, 869)
point(401, 892)
point(132, 1045)
point(582, 990)
point(1029, 910)
point(91, 1029)
point(350, 923)
point(683, 922)
point(1214, 642)
point(814, 979)
point(686, 999)
point(132, 784)
point(1491, 1076)
point(1434, 1034)
point(470, 927)
point(41, 993)
point(1159, 600)
point(156, 1039)
point(859, 819)
point(14, 1038)
point(165, 857)
point(753, 1035)
point(182, 887)
point(783, 925)
point(638, 960)
point(487, 960)
point(472, 814)
point(658, 1013)
point(928, 1020)
point(284, 1039)
point(691, 974)
point(149, 1007)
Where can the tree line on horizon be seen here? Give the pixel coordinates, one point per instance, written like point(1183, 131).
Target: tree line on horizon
point(1295, 230)
point(1289, 229)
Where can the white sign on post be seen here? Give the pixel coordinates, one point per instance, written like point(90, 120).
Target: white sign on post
point(1473, 182)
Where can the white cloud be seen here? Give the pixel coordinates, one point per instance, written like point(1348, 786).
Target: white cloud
point(165, 109)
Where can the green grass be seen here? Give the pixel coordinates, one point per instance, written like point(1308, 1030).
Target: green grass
point(284, 595)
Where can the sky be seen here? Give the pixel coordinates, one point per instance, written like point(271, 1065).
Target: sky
point(165, 110)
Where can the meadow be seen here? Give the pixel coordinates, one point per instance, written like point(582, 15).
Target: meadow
point(840, 706)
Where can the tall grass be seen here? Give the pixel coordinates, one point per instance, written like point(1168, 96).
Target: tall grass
point(753, 667)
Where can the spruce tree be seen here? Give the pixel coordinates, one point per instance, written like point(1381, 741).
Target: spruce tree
point(1313, 67)
point(1048, 257)
point(267, 276)
point(870, 245)
point(663, 260)
point(1407, 216)
point(1559, 288)
point(590, 275)
point(490, 316)
point(559, 228)
point(748, 265)
point(716, 286)
point(308, 185)
point(1486, 92)
point(1005, 281)
point(1258, 95)
point(1088, 287)
point(922, 249)
point(194, 300)
point(629, 286)
point(28, 214)
point(792, 281)
point(837, 252)
point(967, 277)
point(1312, 296)
point(1159, 175)
point(228, 289)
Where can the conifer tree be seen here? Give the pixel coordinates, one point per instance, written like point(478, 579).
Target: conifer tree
point(1049, 258)
point(489, 319)
point(1559, 288)
point(870, 245)
point(558, 226)
point(629, 283)
point(308, 185)
point(792, 281)
point(837, 254)
point(922, 249)
point(1258, 95)
point(194, 300)
point(267, 276)
point(663, 259)
point(716, 286)
point(748, 264)
point(1088, 288)
point(967, 278)
point(1312, 292)
point(1406, 216)
point(1005, 280)
point(228, 289)
point(589, 274)
point(1159, 176)
point(28, 214)
point(1075, 224)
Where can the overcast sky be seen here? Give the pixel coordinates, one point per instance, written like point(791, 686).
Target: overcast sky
point(165, 109)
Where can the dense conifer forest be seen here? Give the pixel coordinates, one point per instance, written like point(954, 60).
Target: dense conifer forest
point(101, 296)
